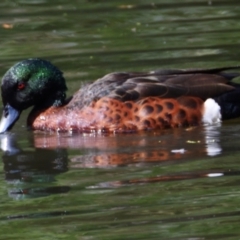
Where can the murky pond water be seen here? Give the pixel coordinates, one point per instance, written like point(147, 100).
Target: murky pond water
point(170, 184)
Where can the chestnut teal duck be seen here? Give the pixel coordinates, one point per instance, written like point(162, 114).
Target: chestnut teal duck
point(119, 102)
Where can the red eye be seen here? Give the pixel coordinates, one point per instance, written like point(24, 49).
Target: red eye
point(21, 86)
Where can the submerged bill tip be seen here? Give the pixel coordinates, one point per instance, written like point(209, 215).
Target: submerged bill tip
point(9, 116)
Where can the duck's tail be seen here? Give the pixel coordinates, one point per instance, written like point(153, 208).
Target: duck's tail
point(229, 103)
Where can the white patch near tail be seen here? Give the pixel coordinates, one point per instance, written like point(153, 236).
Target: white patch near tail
point(211, 112)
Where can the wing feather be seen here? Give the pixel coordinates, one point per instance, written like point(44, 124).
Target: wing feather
point(203, 83)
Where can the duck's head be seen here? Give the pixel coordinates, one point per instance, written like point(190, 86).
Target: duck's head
point(32, 82)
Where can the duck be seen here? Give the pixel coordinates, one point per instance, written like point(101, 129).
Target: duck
point(119, 102)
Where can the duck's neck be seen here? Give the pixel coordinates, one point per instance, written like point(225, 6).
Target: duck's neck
point(55, 101)
point(58, 99)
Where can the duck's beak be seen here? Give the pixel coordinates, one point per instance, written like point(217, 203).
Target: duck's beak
point(9, 116)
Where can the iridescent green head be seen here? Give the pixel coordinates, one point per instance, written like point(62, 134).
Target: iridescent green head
point(32, 82)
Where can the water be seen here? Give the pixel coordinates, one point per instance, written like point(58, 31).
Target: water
point(170, 184)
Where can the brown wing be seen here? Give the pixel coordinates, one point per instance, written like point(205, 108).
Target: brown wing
point(203, 83)
point(171, 86)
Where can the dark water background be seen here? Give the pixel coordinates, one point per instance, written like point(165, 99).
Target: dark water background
point(171, 184)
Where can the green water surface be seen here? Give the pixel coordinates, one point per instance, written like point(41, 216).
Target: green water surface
point(171, 184)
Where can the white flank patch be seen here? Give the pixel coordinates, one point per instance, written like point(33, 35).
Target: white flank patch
point(211, 112)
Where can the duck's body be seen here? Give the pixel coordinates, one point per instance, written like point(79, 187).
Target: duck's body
point(111, 115)
point(118, 102)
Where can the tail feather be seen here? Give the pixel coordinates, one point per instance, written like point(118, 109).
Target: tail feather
point(229, 103)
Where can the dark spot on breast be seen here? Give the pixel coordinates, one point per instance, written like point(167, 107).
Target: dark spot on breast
point(194, 119)
point(147, 123)
point(125, 114)
point(188, 102)
point(128, 105)
point(160, 120)
point(192, 104)
point(110, 119)
point(153, 121)
point(169, 105)
point(159, 108)
point(181, 113)
point(117, 117)
point(137, 118)
point(184, 123)
point(148, 109)
point(136, 109)
point(168, 116)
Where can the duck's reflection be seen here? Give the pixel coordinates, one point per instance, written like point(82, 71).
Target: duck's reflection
point(32, 169)
point(121, 150)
